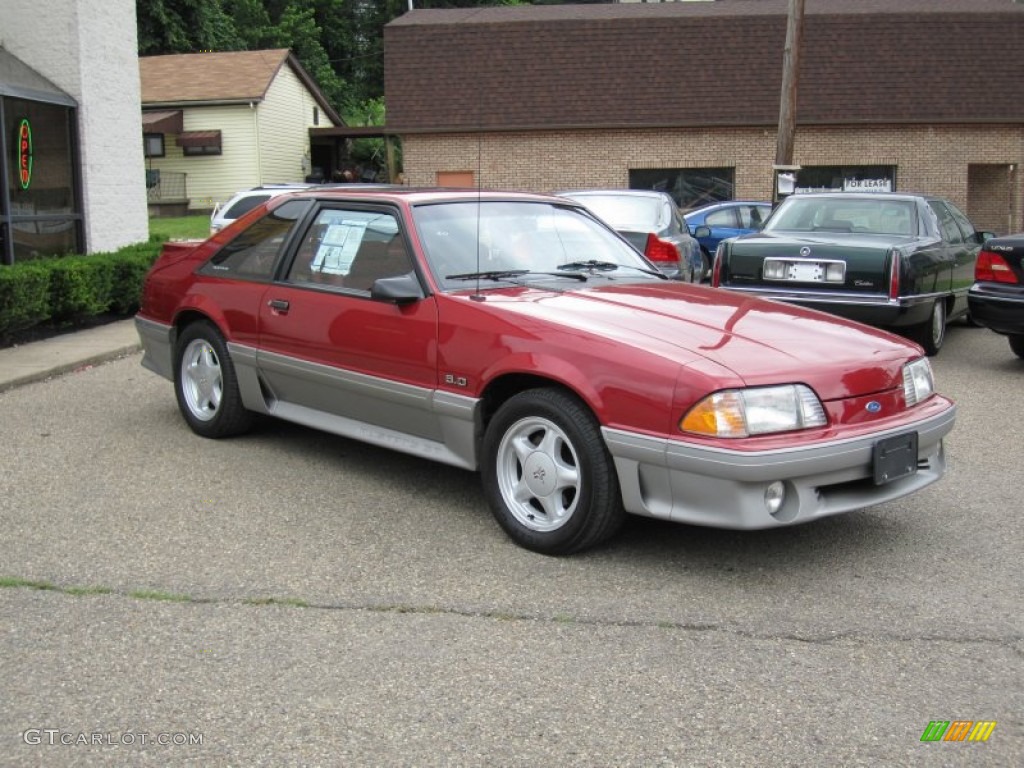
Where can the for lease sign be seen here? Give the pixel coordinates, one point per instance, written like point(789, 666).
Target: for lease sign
point(867, 185)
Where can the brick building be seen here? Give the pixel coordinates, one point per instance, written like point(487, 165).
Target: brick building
point(913, 95)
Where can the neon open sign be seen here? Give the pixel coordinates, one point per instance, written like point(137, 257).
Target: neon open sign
point(24, 154)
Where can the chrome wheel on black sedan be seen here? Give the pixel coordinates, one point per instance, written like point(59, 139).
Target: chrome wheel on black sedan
point(205, 384)
point(547, 474)
point(932, 332)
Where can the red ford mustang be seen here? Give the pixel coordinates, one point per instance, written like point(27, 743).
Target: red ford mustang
point(519, 336)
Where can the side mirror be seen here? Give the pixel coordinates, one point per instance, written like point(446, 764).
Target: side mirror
point(401, 289)
point(702, 231)
point(983, 236)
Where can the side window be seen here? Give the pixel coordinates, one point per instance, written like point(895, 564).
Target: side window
point(350, 249)
point(965, 224)
point(947, 224)
point(723, 218)
point(253, 252)
point(750, 216)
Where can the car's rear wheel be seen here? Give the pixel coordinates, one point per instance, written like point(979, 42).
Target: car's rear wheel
point(547, 474)
point(205, 383)
point(706, 260)
point(932, 333)
point(1017, 345)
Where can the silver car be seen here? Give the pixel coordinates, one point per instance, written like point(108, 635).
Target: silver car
point(652, 223)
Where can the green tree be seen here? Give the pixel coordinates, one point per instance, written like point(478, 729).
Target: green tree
point(185, 26)
point(298, 30)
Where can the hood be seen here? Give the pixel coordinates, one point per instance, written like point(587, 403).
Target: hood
point(759, 341)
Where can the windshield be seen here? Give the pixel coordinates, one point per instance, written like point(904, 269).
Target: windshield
point(501, 238)
point(839, 214)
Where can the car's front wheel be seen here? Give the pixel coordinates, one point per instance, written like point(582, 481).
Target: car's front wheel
point(1017, 345)
point(205, 383)
point(932, 333)
point(547, 474)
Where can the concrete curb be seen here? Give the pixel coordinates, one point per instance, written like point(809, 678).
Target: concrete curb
point(69, 352)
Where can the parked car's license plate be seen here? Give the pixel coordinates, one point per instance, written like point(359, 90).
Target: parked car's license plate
point(806, 272)
point(895, 457)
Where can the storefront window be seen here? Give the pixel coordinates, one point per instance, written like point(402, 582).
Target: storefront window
point(689, 187)
point(846, 178)
point(41, 215)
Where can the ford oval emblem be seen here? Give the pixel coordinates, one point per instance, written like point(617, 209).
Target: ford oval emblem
point(805, 251)
point(874, 406)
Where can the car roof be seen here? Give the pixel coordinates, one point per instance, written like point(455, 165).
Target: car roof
point(725, 204)
point(622, 192)
point(420, 195)
point(865, 195)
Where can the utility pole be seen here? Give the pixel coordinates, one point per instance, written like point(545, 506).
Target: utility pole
point(788, 99)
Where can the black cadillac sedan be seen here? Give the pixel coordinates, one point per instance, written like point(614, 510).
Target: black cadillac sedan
point(898, 261)
point(997, 297)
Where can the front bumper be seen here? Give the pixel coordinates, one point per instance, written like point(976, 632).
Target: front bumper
point(725, 488)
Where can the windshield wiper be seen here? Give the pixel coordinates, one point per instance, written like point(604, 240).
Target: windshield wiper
point(497, 274)
point(505, 274)
point(606, 266)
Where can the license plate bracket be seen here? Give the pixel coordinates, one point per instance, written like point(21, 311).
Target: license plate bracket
point(895, 457)
point(805, 272)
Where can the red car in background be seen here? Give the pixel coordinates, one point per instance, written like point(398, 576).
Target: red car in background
point(518, 336)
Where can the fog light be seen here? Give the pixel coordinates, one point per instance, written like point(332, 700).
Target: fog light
point(774, 496)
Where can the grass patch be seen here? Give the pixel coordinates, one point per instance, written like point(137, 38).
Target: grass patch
point(147, 594)
point(10, 581)
point(180, 227)
point(292, 602)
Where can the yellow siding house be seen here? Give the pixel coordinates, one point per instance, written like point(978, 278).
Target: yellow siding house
point(216, 123)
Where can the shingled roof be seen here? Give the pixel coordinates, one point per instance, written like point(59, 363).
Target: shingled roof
point(703, 64)
point(230, 77)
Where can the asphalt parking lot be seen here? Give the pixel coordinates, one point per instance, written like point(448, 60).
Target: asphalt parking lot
point(292, 598)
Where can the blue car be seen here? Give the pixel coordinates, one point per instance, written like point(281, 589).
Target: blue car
point(710, 224)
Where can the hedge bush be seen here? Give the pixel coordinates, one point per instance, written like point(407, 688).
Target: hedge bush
point(66, 289)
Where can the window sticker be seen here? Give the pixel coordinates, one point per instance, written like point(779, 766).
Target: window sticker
point(338, 247)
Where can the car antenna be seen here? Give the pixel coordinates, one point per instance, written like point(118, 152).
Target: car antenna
point(477, 296)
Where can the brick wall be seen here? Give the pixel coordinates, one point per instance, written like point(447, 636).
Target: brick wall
point(928, 159)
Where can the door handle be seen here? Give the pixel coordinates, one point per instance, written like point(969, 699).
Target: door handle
point(278, 304)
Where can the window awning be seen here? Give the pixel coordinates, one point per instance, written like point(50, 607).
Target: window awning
point(162, 121)
point(198, 139)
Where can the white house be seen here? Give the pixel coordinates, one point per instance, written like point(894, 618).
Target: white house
point(215, 123)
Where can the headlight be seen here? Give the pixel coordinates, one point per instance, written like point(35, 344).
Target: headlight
point(756, 411)
point(918, 382)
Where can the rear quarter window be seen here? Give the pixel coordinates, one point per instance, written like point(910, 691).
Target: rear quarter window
point(244, 205)
point(253, 253)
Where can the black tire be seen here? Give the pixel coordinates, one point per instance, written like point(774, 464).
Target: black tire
point(706, 259)
point(932, 333)
point(205, 383)
point(1017, 345)
point(548, 476)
